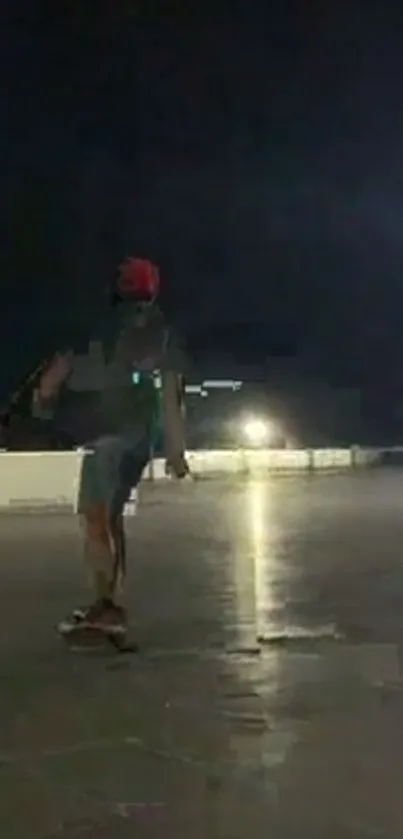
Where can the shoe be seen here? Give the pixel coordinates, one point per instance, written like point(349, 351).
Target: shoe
point(102, 617)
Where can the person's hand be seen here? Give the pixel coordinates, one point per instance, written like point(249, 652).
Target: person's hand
point(178, 466)
point(55, 374)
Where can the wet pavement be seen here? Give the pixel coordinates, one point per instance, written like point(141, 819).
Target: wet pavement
point(206, 733)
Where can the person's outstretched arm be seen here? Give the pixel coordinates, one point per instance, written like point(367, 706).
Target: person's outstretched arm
point(45, 395)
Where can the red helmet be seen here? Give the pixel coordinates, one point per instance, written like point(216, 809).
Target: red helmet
point(138, 278)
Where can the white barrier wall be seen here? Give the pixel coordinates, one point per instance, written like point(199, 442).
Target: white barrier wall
point(263, 460)
point(39, 479)
point(35, 480)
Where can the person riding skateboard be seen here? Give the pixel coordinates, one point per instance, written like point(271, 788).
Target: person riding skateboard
point(126, 414)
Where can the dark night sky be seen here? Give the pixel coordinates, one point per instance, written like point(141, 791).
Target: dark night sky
point(256, 152)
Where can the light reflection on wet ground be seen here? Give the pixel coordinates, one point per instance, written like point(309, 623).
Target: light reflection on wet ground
point(206, 733)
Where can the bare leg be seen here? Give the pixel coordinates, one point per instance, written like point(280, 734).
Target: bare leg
point(99, 552)
point(104, 555)
point(105, 552)
point(119, 550)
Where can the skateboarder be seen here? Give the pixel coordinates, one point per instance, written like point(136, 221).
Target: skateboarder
point(125, 416)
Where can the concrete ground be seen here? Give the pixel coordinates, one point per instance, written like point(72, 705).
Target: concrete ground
point(199, 735)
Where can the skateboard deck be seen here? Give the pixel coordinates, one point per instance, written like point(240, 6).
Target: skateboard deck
point(93, 640)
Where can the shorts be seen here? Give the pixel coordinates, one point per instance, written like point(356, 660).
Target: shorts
point(112, 467)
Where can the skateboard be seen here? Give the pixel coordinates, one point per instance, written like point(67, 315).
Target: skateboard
point(83, 639)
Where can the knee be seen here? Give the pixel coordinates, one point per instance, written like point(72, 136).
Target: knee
point(96, 523)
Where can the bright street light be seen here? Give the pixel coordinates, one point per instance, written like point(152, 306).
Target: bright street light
point(257, 431)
